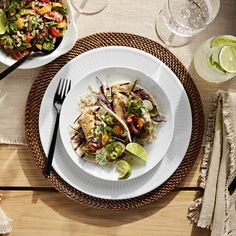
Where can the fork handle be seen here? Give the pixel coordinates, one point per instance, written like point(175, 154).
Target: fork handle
point(52, 147)
point(13, 67)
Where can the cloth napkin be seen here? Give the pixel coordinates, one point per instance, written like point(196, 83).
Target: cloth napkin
point(5, 222)
point(216, 209)
point(14, 90)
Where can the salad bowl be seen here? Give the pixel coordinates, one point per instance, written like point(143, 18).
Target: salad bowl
point(67, 43)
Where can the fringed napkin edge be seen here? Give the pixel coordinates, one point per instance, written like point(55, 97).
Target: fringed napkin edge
point(195, 207)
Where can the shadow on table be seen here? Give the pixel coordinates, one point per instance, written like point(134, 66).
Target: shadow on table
point(114, 219)
point(103, 218)
point(196, 231)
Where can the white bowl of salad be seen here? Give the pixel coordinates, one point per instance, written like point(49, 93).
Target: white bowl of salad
point(46, 26)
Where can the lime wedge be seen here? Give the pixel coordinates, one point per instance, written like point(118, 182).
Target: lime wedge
point(3, 22)
point(215, 64)
point(124, 169)
point(222, 41)
point(137, 150)
point(227, 58)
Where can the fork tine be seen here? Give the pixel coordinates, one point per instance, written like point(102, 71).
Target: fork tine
point(58, 88)
point(61, 88)
point(69, 87)
point(64, 89)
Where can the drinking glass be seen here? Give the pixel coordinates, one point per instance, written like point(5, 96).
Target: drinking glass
point(215, 59)
point(90, 7)
point(179, 20)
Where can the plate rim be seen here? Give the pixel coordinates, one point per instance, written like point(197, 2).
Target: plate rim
point(176, 80)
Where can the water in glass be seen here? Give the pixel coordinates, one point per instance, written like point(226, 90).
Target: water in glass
point(179, 20)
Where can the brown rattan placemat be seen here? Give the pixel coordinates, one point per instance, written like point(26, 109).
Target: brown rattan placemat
point(102, 40)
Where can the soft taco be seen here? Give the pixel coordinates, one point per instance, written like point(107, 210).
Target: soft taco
point(137, 108)
point(99, 136)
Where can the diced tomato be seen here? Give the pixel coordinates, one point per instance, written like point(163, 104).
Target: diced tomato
point(135, 123)
point(130, 118)
point(55, 32)
point(93, 147)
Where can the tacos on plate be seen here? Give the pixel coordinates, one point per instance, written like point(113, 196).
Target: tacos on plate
point(137, 108)
point(99, 136)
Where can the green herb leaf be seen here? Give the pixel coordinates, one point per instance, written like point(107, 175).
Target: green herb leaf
point(61, 10)
point(134, 107)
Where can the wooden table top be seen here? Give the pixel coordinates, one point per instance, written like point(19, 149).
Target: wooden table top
point(38, 209)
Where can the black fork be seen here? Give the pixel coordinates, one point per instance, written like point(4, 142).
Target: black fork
point(61, 92)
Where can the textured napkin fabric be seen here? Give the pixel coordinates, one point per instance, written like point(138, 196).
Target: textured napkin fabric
point(216, 209)
point(5, 222)
point(14, 90)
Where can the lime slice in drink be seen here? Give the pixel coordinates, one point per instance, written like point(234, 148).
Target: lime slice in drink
point(124, 169)
point(3, 22)
point(137, 150)
point(222, 41)
point(227, 58)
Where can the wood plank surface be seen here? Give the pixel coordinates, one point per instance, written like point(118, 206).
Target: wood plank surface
point(17, 168)
point(50, 213)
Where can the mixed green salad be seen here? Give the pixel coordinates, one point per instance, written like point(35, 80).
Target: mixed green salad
point(114, 123)
point(31, 24)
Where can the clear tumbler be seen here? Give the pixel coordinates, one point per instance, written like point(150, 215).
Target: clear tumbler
point(179, 20)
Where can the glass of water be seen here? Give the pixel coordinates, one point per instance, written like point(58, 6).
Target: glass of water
point(179, 20)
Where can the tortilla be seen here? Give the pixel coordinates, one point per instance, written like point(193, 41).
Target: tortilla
point(124, 92)
point(83, 131)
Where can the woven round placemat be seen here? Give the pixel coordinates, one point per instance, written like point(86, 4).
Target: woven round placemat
point(101, 40)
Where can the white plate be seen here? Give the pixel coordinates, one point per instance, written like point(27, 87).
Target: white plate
point(70, 112)
point(67, 43)
point(122, 57)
